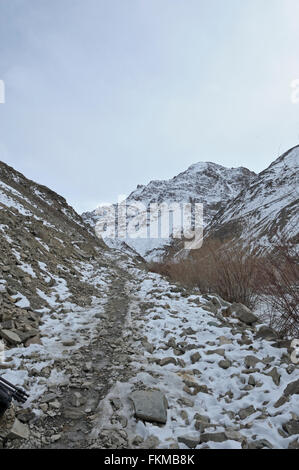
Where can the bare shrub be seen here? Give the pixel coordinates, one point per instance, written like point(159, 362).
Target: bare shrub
point(239, 274)
point(225, 268)
point(278, 286)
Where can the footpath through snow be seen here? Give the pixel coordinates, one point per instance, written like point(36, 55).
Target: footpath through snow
point(151, 365)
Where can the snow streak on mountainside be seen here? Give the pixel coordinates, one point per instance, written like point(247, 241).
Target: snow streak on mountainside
point(266, 209)
point(42, 243)
point(207, 183)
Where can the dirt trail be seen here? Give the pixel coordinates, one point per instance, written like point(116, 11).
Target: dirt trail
point(94, 369)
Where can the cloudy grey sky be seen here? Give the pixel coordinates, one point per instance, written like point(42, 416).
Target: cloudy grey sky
point(102, 95)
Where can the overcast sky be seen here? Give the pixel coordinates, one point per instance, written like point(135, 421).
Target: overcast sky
point(102, 95)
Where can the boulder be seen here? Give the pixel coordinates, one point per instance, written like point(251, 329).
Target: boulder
point(167, 360)
point(195, 357)
point(291, 427)
point(213, 437)
point(243, 314)
point(150, 405)
point(259, 444)
point(267, 333)
point(190, 440)
point(223, 340)
point(245, 412)
point(292, 389)
point(275, 376)
point(11, 337)
point(251, 361)
point(18, 431)
point(69, 342)
point(225, 364)
point(34, 340)
point(294, 444)
point(233, 435)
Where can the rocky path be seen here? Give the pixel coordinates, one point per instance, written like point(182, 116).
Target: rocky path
point(165, 368)
point(96, 370)
point(69, 408)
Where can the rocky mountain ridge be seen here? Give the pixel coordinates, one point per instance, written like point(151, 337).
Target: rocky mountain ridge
point(238, 205)
point(207, 183)
point(266, 210)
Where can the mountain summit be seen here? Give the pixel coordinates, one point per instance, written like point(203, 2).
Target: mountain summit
point(207, 183)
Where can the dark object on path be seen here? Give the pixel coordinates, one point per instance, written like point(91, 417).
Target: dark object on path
point(8, 392)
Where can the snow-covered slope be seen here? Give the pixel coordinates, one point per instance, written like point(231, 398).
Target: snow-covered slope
point(42, 242)
point(207, 183)
point(266, 209)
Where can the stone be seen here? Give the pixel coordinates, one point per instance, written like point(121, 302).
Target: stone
point(243, 313)
point(213, 437)
point(55, 404)
point(260, 444)
point(275, 376)
point(233, 435)
point(10, 336)
point(48, 397)
point(18, 431)
point(188, 331)
point(151, 442)
point(137, 440)
point(202, 418)
point(73, 413)
point(171, 342)
point(267, 333)
point(88, 367)
point(225, 364)
point(25, 415)
point(282, 343)
point(68, 342)
point(251, 381)
point(195, 357)
point(7, 421)
point(291, 427)
point(292, 389)
point(190, 440)
point(223, 340)
point(167, 360)
point(291, 368)
point(210, 307)
point(184, 416)
point(148, 347)
point(200, 426)
point(251, 361)
point(77, 399)
point(178, 351)
point(34, 340)
point(150, 406)
point(281, 401)
point(220, 352)
point(186, 402)
point(294, 444)
point(245, 412)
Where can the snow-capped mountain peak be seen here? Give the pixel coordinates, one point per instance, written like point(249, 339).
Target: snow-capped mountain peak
point(206, 183)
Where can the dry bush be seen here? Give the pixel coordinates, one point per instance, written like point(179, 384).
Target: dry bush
point(225, 268)
point(278, 286)
point(241, 275)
